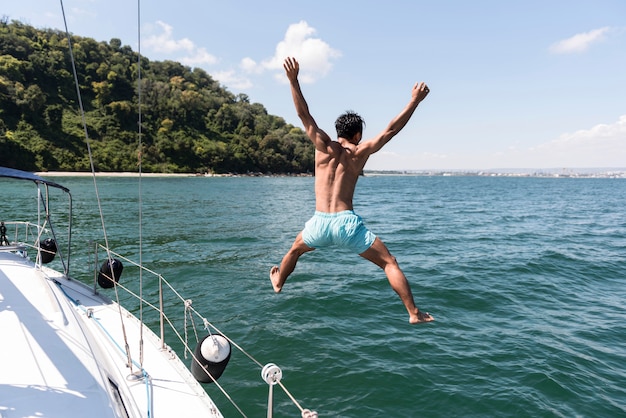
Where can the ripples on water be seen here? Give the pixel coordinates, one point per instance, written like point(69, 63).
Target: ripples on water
point(524, 276)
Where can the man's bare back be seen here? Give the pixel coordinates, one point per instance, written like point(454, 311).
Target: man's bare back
point(338, 165)
point(336, 173)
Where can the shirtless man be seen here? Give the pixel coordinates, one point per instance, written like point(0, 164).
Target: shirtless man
point(338, 165)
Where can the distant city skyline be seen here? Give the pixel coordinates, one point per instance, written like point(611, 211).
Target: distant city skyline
point(604, 172)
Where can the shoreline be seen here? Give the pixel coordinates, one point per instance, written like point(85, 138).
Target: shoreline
point(109, 174)
point(134, 174)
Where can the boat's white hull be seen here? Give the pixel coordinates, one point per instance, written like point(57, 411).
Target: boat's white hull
point(63, 353)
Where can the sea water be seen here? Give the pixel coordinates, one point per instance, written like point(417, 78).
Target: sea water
point(526, 278)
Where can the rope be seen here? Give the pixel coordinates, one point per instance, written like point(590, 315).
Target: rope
point(189, 313)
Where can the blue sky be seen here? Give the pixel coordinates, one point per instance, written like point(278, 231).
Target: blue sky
point(514, 84)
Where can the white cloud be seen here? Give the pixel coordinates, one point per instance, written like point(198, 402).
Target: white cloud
point(199, 57)
point(232, 79)
point(249, 65)
point(601, 145)
point(313, 53)
point(579, 42)
point(165, 43)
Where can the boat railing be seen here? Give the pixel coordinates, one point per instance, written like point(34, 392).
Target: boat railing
point(178, 332)
point(147, 278)
point(24, 236)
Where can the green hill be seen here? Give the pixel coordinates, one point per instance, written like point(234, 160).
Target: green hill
point(189, 122)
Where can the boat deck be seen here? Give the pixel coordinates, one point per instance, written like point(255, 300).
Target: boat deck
point(63, 353)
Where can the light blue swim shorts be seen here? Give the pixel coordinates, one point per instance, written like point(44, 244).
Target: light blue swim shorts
point(345, 229)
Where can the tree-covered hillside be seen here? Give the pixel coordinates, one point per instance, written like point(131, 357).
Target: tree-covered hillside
point(189, 122)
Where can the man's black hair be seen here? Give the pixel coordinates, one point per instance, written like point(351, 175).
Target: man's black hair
point(349, 124)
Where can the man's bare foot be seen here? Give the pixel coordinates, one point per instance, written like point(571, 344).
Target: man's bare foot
point(420, 317)
point(275, 279)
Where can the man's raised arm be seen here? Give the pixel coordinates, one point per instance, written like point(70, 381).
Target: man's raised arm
point(419, 93)
point(319, 137)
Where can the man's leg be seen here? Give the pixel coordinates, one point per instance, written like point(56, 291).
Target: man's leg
point(278, 276)
point(380, 255)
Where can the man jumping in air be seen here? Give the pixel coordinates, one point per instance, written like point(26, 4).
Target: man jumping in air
point(338, 165)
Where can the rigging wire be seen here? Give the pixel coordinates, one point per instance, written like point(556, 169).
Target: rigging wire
point(139, 157)
point(93, 174)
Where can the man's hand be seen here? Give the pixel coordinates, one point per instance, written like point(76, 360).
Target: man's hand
point(420, 91)
point(292, 68)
